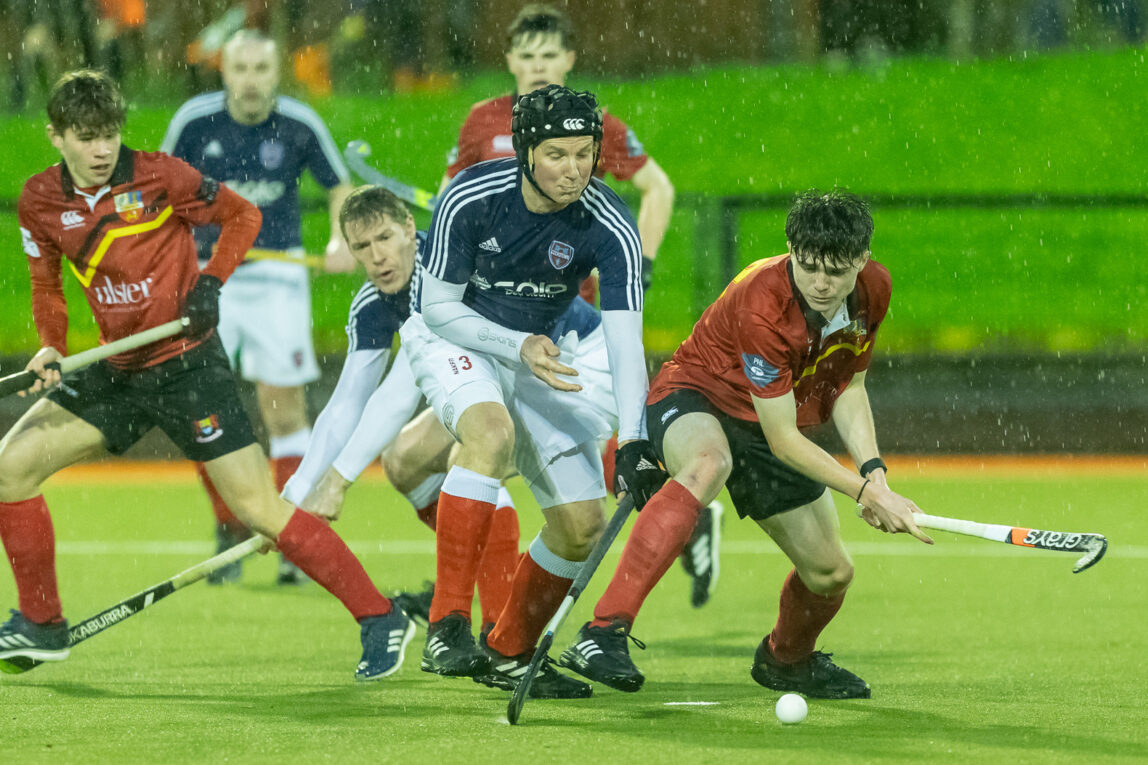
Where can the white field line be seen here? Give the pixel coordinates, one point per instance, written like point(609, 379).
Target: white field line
point(899, 549)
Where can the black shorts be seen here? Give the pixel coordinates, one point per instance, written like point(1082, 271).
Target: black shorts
point(192, 398)
point(759, 484)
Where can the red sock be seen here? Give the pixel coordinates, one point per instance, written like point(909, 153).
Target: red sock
point(283, 468)
point(608, 462)
point(429, 514)
point(499, 561)
point(315, 548)
point(801, 618)
point(534, 597)
point(29, 540)
point(659, 535)
point(463, 527)
point(223, 515)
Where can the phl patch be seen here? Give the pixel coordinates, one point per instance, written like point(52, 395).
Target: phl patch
point(129, 206)
point(271, 154)
point(207, 429)
point(560, 254)
point(759, 371)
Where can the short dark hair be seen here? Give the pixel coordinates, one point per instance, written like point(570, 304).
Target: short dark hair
point(540, 19)
point(86, 99)
point(370, 203)
point(833, 227)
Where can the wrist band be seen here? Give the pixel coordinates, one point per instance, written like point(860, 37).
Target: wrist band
point(870, 465)
point(862, 490)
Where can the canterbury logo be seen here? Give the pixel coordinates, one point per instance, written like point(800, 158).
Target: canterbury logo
point(71, 218)
point(574, 123)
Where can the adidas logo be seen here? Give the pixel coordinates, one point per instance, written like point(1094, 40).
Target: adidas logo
point(436, 646)
point(16, 640)
point(589, 649)
point(645, 464)
point(490, 245)
point(511, 669)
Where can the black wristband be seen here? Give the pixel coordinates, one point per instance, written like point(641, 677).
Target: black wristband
point(870, 465)
point(862, 491)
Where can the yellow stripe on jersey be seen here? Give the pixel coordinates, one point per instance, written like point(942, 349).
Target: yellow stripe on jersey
point(812, 369)
point(110, 237)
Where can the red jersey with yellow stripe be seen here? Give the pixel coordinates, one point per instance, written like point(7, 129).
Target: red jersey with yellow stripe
point(128, 244)
point(761, 339)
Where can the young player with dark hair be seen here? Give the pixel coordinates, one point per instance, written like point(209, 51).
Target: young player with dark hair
point(509, 243)
point(784, 349)
point(259, 143)
point(121, 220)
point(540, 50)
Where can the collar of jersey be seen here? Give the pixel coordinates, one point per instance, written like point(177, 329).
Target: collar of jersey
point(813, 319)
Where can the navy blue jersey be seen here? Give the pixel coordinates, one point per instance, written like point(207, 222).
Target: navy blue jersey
point(522, 269)
point(375, 317)
point(262, 163)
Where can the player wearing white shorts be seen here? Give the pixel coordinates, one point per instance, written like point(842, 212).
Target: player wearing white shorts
point(509, 243)
point(259, 144)
point(363, 416)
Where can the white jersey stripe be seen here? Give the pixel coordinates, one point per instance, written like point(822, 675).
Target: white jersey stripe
point(627, 237)
point(199, 106)
point(455, 199)
point(298, 110)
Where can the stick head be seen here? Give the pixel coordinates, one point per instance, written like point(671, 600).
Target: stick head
point(1095, 546)
point(15, 665)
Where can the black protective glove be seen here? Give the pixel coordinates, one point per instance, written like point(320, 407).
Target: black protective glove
point(647, 273)
point(201, 306)
point(637, 472)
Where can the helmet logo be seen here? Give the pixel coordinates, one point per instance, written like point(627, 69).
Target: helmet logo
point(574, 123)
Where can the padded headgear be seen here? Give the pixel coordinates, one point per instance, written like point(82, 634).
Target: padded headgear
point(553, 111)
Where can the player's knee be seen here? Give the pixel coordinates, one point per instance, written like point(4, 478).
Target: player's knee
point(572, 533)
point(706, 473)
point(487, 443)
point(15, 483)
point(829, 580)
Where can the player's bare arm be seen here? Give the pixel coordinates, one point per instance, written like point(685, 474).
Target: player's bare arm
point(890, 511)
point(337, 254)
point(656, 206)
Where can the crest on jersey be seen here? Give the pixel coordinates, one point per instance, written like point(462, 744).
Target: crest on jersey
point(207, 429)
point(560, 254)
point(129, 206)
point(271, 154)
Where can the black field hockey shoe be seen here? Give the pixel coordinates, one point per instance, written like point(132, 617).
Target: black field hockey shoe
point(450, 650)
point(417, 604)
point(384, 641)
point(23, 642)
point(701, 555)
point(549, 683)
point(602, 655)
point(817, 677)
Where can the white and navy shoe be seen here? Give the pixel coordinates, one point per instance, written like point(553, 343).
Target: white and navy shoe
point(601, 654)
point(701, 555)
point(24, 643)
point(385, 641)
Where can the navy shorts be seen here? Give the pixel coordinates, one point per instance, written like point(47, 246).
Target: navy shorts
point(192, 398)
point(759, 484)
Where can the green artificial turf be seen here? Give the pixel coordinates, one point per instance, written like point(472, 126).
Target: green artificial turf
point(966, 280)
point(976, 652)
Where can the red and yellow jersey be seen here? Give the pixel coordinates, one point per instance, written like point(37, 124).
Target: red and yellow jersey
point(486, 135)
point(760, 338)
point(129, 245)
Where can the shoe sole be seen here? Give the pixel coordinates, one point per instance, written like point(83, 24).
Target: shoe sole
point(624, 683)
point(410, 633)
point(17, 662)
point(774, 683)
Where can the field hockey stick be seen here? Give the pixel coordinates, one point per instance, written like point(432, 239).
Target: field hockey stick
point(110, 617)
point(1092, 545)
point(356, 155)
point(522, 690)
point(19, 381)
point(284, 256)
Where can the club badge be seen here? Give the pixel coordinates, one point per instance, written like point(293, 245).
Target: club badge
point(560, 254)
point(271, 154)
point(207, 429)
point(129, 206)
